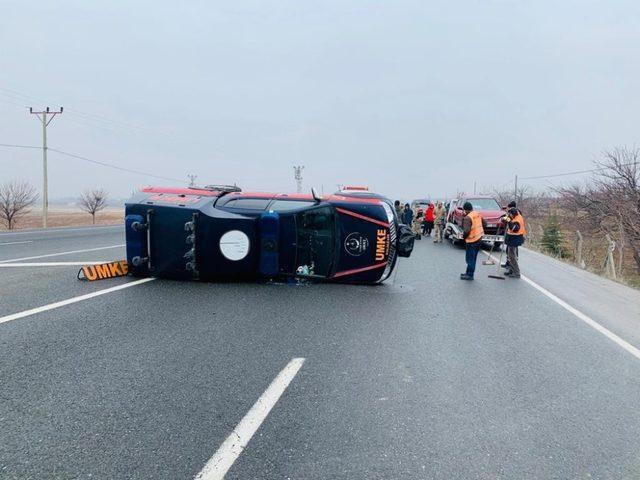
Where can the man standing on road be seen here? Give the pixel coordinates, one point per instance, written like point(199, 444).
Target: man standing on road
point(398, 206)
point(429, 218)
point(514, 237)
point(439, 220)
point(473, 229)
point(407, 215)
point(416, 225)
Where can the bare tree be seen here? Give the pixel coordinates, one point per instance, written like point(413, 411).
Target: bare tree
point(16, 198)
point(610, 203)
point(92, 201)
point(532, 204)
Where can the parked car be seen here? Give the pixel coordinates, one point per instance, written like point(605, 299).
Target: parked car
point(420, 203)
point(217, 233)
point(487, 206)
point(450, 207)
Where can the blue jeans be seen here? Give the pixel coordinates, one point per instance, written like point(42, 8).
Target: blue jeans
point(471, 257)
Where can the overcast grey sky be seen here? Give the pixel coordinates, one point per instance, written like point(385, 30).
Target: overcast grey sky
point(413, 98)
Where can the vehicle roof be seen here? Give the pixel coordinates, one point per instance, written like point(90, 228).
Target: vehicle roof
point(336, 197)
point(466, 197)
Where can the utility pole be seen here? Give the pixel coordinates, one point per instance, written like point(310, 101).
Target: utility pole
point(42, 116)
point(474, 187)
point(192, 179)
point(297, 173)
point(515, 189)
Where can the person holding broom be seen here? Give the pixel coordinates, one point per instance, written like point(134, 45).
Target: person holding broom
point(514, 238)
point(473, 226)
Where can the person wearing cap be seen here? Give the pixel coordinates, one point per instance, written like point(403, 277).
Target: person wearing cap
point(473, 226)
point(514, 237)
point(512, 204)
point(407, 215)
point(398, 207)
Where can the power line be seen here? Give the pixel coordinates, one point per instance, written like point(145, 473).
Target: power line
point(97, 162)
point(577, 172)
point(18, 146)
point(116, 167)
point(23, 97)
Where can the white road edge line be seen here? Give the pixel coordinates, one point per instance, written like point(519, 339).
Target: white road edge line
point(69, 301)
point(62, 253)
point(217, 467)
point(585, 318)
point(16, 243)
point(32, 231)
point(51, 264)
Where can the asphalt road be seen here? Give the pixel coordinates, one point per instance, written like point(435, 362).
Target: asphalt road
point(423, 377)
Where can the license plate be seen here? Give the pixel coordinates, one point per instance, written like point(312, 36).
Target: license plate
point(492, 238)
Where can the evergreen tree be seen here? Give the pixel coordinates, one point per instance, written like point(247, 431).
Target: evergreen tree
point(552, 238)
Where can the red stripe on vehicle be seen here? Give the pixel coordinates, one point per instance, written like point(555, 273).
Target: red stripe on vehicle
point(358, 270)
point(181, 191)
point(362, 217)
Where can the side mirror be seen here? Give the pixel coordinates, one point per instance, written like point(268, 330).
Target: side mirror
point(315, 195)
point(459, 207)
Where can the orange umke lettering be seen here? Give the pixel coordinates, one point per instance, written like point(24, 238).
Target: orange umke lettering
point(114, 269)
point(124, 267)
point(102, 271)
point(89, 272)
point(106, 270)
point(381, 244)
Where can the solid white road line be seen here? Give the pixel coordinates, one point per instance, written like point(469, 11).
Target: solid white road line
point(16, 243)
point(31, 231)
point(585, 318)
point(69, 301)
point(62, 253)
point(217, 467)
point(51, 264)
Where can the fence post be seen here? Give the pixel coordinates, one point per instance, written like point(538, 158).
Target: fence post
point(579, 259)
point(621, 250)
point(609, 262)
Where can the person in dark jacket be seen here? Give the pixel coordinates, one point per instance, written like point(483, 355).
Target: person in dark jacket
point(398, 208)
point(514, 238)
point(512, 204)
point(407, 215)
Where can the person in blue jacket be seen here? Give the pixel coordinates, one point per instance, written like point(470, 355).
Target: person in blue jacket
point(407, 215)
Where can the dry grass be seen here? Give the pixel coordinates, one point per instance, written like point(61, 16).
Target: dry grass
point(593, 254)
point(69, 217)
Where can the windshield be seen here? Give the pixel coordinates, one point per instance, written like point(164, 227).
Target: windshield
point(484, 204)
point(315, 245)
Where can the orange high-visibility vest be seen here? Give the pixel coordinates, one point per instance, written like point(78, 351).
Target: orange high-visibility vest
point(476, 231)
point(520, 221)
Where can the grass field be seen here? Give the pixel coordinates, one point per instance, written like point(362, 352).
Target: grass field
point(68, 217)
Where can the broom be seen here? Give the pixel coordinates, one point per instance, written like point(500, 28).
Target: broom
point(489, 261)
point(497, 276)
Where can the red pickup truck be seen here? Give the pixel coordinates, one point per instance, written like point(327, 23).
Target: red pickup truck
point(488, 208)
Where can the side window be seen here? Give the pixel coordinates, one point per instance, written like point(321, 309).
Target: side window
point(248, 203)
point(315, 230)
point(286, 205)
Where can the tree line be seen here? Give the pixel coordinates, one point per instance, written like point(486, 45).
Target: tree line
point(595, 222)
point(17, 199)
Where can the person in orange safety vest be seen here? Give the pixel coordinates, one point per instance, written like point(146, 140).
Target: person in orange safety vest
point(473, 226)
point(514, 238)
